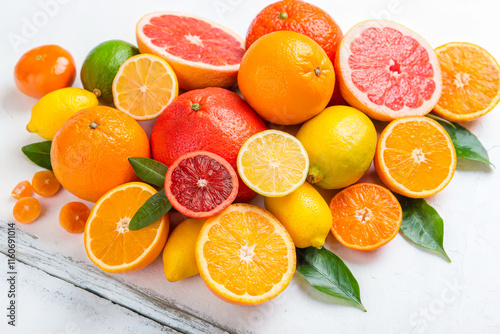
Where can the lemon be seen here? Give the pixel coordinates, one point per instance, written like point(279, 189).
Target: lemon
point(305, 215)
point(340, 142)
point(55, 108)
point(179, 260)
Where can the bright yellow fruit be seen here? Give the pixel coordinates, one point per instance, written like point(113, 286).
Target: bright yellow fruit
point(179, 260)
point(341, 143)
point(55, 108)
point(305, 215)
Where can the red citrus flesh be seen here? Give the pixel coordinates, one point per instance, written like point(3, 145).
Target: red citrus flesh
point(201, 184)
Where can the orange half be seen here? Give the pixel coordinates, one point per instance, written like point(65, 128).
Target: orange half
point(110, 244)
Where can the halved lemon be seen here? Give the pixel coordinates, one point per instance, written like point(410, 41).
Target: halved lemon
point(144, 86)
point(273, 163)
point(110, 244)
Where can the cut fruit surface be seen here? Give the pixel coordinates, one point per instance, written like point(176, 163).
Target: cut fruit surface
point(244, 255)
point(365, 216)
point(110, 244)
point(415, 157)
point(471, 82)
point(144, 86)
point(201, 184)
point(202, 53)
point(273, 163)
point(387, 71)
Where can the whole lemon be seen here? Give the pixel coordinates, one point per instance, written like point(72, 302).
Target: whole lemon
point(55, 108)
point(341, 143)
point(179, 260)
point(305, 215)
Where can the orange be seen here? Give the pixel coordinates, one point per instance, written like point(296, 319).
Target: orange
point(244, 255)
point(471, 82)
point(22, 189)
point(26, 210)
point(45, 183)
point(110, 244)
point(89, 152)
point(73, 217)
point(286, 77)
point(365, 216)
point(144, 86)
point(415, 157)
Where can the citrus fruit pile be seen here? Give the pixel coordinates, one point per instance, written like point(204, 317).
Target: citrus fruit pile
point(210, 150)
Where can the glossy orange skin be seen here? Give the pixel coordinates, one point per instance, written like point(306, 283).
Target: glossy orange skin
point(26, 210)
point(89, 161)
point(45, 183)
point(21, 190)
point(221, 126)
point(73, 217)
point(43, 70)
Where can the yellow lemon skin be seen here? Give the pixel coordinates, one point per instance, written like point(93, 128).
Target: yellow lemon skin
point(179, 260)
point(305, 215)
point(341, 143)
point(55, 108)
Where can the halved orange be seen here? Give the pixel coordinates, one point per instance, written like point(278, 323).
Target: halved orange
point(365, 216)
point(244, 255)
point(110, 244)
point(144, 86)
point(471, 82)
point(415, 157)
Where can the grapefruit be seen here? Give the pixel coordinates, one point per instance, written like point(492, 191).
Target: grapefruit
point(211, 119)
point(201, 52)
point(387, 71)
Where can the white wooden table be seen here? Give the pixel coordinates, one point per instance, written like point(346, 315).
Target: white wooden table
point(404, 289)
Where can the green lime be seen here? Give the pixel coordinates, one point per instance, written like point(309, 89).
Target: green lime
point(102, 64)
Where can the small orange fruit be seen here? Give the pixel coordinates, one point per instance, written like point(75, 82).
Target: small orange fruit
point(365, 216)
point(26, 210)
point(22, 189)
point(73, 217)
point(110, 244)
point(471, 82)
point(45, 183)
point(244, 255)
point(415, 157)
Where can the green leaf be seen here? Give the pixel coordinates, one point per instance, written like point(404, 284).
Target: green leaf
point(152, 210)
point(466, 144)
point(149, 170)
point(39, 153)
point(327, 273)
point(422, 224)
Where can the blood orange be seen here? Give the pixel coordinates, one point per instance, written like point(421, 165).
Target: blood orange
point(201, 184)
point(211, 119)
point(201, 52)
point(388, 71)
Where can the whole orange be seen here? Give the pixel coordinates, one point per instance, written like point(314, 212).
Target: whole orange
point(286, 77)
point(89, 152)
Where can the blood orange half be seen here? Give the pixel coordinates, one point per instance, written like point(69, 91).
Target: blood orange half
point(388, 71)
point(201, 52)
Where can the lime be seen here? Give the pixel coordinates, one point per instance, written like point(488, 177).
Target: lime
point(102, 64)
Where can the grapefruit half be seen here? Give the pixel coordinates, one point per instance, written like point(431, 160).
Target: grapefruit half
point(201, 52)
point(388, 71)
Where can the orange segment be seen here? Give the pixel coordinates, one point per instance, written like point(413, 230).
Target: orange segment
point(109, 243)
point(244, 255)
point(144, 86)
point(471, 82)
point(365, 216)
point(415, 157)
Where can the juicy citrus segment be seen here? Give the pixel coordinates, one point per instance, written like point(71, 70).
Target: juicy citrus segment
point(245, 255)
point(471, 82)
point(365, 216)
point(109, 242)
point(273, 163)
point(144, 86)
point(415, 157)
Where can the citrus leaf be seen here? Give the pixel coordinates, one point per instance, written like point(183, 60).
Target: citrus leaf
point(326, 272)
point(152, 210)
point(422, 224)
point(39, 153)
point(149, 170)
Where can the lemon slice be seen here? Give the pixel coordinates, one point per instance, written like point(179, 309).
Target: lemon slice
point(273, 163)
point(144, 86)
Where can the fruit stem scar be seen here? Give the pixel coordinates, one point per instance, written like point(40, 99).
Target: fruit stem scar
point(314, 175)
point(283, 15)
point(195, 106)
point(38, 57)
point(317, 70)
point(94, 125)
point(97, 92)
